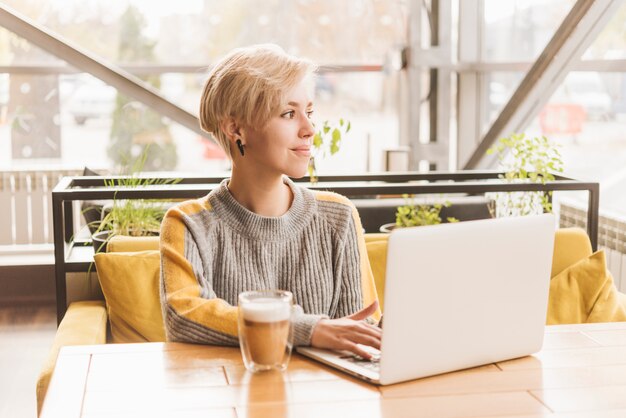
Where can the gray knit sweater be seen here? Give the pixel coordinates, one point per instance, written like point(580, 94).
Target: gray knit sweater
point(213, 248)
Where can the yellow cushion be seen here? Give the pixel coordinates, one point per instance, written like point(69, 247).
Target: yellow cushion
point(124, 243)
point(377, 254)
point(585, 292)
point(570, 246)
point(84, 323)
point(130, 283)
point(376, 236)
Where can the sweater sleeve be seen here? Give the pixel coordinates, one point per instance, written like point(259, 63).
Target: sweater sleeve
point(188, 315)
point(303, 325)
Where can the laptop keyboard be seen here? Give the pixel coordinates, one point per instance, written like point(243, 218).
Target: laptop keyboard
point(372, 365)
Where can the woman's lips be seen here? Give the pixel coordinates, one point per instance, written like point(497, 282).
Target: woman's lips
point(303, 151)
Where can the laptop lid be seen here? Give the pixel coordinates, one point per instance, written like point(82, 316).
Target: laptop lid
point(465, 294)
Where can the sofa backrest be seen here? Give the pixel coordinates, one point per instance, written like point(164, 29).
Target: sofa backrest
point(123, 243)
point(129, 276)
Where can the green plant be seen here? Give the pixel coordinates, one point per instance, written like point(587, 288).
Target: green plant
point(412, 214)
point(526, 160)
point(327, 141)
point(135, 217)
point(132, 217)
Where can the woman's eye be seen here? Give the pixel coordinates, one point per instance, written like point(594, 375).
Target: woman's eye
point(289, 115)
point(309, 114)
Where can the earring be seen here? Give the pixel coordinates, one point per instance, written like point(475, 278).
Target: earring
point(240, 146)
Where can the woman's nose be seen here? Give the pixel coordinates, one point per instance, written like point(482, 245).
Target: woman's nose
point(307, 129)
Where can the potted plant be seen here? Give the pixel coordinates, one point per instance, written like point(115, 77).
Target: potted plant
point(412, 214)
point(525, 160)
point(133, 217)
point(128, 217)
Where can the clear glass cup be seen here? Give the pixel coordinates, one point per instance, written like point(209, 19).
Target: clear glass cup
point(265, 329)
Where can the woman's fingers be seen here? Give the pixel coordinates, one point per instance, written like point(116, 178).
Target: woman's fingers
point(366, 340)
point(374, 328)
point(355, 349)
point(371, 330)
point(361, 334)
point(348, 333)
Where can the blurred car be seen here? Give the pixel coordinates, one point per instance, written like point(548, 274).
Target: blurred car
point(585, 89)
point(91, 101)
point(589, 91)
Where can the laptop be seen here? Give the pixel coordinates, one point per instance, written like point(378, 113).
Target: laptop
point(457, 296)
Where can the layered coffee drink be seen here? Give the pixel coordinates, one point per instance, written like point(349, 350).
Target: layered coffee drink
point(265, 329)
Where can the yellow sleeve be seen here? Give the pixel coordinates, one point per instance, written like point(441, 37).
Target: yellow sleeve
point(184, 307)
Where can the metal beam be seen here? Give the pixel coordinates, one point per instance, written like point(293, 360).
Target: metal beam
point(410, 82)
point(105, 71)
point(435, 146)
point(469, 83)
point(464, 66)
point(571, 39)
point(440, 133)
point(162, 69)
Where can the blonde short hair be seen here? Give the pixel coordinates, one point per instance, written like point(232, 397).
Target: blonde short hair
point(249, 85)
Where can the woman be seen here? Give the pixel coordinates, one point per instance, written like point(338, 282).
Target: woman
point(258, 230)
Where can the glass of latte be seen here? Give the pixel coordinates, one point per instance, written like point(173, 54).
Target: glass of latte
point(265, 331)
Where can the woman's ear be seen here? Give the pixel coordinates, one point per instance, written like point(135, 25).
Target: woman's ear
point(231, 128)
point(233, 131)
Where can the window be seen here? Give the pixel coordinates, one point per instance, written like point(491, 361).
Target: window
point(171, 45)
point(586, 114)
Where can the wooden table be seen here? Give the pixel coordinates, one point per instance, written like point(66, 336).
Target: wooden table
point(581, 372)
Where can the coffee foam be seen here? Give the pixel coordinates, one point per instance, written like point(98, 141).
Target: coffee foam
point(266, 310)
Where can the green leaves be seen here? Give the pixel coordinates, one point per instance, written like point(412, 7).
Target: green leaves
point(412, 214)
point(334, 142)
point(311, 169)
point(528, 158)
point(327, 140)
point(137, 217)
point(317, 140)
point(523, 159)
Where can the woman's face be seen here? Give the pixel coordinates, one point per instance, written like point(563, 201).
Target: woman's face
point(283, 146)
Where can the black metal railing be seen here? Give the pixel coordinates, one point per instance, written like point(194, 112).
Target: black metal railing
point(72, 255)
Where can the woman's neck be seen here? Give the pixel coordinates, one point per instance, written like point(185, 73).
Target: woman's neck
point(264, 195)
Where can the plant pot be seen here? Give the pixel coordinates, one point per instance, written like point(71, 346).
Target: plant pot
point(387, 228)
point(99, 241)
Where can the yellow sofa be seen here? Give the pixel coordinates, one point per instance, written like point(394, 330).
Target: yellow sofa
point(129, 278)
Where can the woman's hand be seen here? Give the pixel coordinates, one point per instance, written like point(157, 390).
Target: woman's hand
point(345, 333)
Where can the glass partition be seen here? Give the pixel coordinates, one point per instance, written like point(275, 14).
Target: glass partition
point(80, 120)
